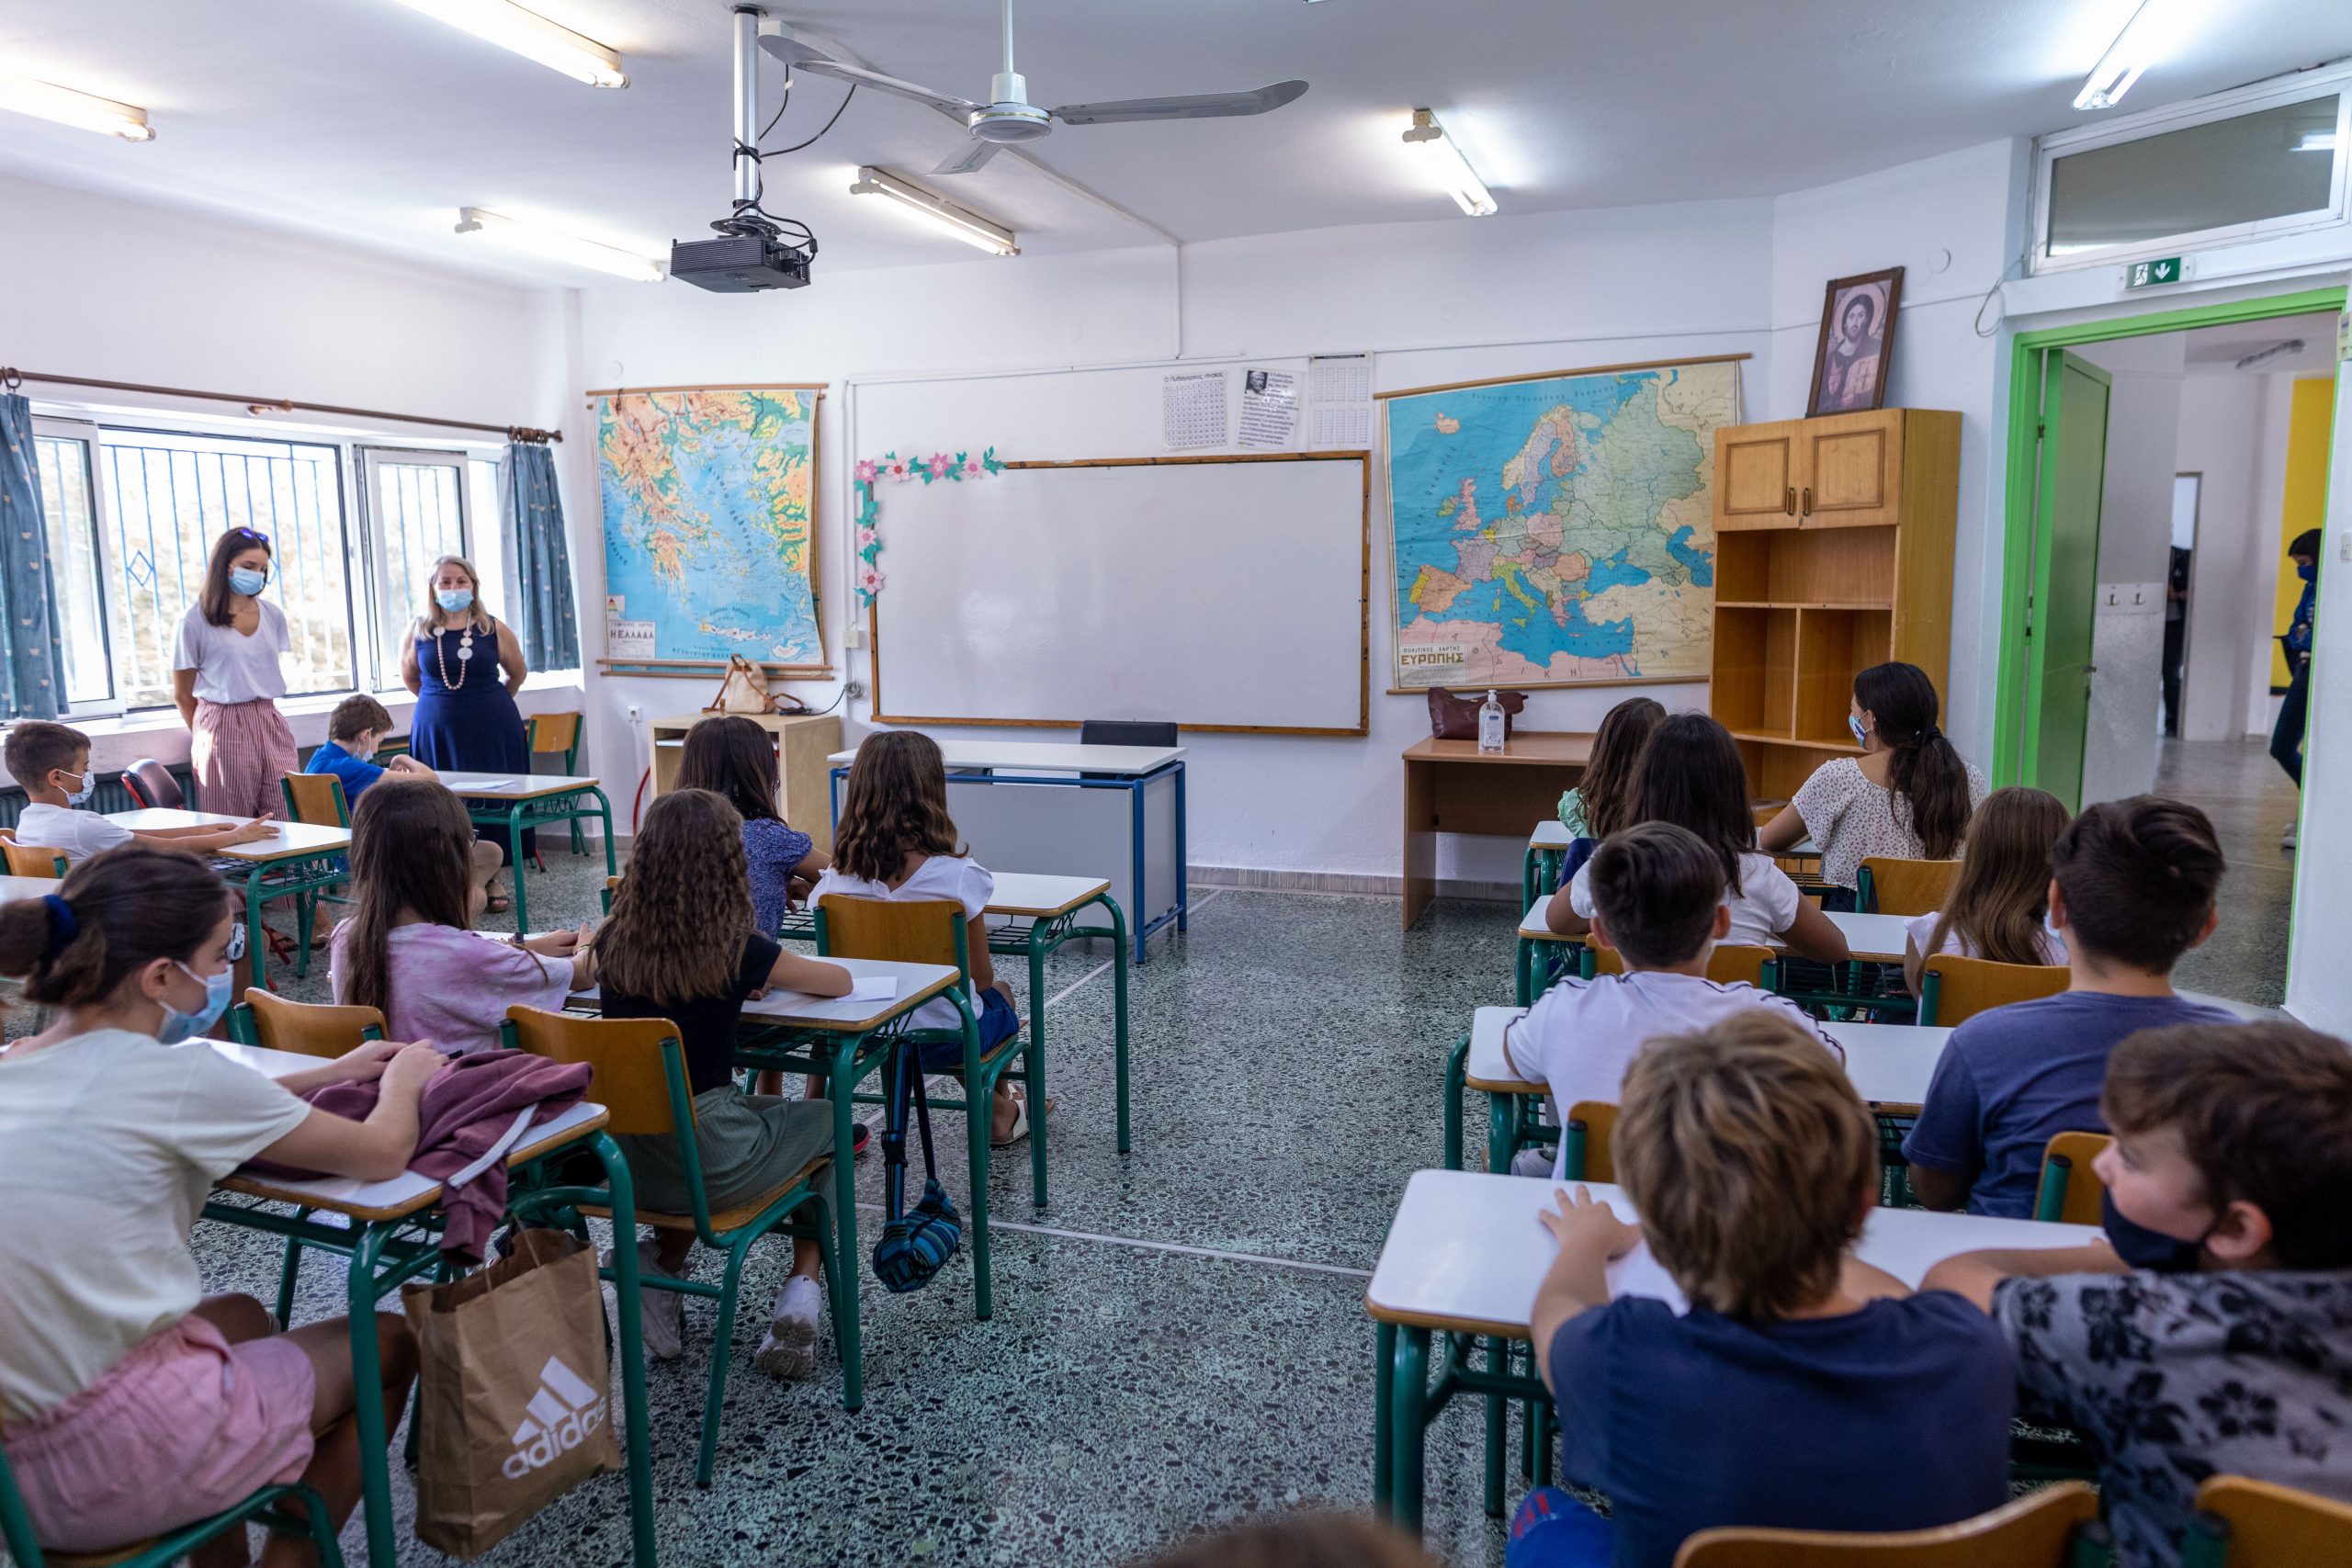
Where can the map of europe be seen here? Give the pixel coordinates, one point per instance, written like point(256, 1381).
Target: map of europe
point(1556, 530)
point(707, 498)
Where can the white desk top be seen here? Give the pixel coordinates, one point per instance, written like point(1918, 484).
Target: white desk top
point(1466, 1250)
point(1878, 938)
point(917, 982)
point(15, 887)
point(1045, 757)
point(295, 841)
point(404, 1193)
point(1030, 893)
point(1888, 1064)
point(514, 786)
point(1551, 834)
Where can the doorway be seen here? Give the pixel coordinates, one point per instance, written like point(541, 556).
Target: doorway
point(2140, 571)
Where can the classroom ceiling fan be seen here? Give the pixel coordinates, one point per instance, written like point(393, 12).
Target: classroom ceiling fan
point(1010, 117)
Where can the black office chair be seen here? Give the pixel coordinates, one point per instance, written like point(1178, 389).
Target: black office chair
point(150, 783)
point(1123, 732)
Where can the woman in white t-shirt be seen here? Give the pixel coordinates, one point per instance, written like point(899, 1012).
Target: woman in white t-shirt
point(894, 840)
point(129, 1405)
point(226, 679)
point(1907, 796)
point(1691, 775)
point(1999, 906)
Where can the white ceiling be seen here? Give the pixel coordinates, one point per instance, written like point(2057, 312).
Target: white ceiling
point(369, 119)
point(2217, 349)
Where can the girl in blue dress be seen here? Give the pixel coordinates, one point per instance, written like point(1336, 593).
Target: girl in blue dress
point(465, 666)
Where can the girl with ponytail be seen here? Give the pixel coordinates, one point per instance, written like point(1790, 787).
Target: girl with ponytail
point(129, 1407)
point(1907, 796)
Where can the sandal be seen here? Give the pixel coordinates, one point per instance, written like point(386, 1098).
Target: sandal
point(499, 904)
point(1020, 1120)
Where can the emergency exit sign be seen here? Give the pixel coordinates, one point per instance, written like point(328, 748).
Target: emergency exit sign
point(2153, 274)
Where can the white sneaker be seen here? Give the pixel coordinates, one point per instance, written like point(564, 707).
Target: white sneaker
point(660, 1314)
point(2286, 838)
point(789, 1350)
point(1531, 1162)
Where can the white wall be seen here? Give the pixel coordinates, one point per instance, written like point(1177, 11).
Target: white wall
point(2231, 432)
point(2319, 961)
point(1538, 293)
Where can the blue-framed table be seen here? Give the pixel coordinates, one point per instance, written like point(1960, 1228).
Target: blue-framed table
point(302, 858)
point(1014, 824)
point(392, 1238)
point(1462, 1261)
point(846, 1040)
point(517, 801)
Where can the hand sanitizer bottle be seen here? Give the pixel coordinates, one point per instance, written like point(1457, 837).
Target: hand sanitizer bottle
point(1490, 723)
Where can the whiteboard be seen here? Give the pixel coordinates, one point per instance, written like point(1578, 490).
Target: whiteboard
point(1220, 593)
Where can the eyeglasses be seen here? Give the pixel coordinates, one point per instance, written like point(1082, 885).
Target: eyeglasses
point(255, 535)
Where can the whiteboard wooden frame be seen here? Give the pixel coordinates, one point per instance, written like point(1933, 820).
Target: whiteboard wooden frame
point(699, 669)
point(1361, 457)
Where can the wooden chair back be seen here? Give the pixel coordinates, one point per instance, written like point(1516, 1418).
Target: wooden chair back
point(1584, 1142)
point(32, 860)
point(1953, 989)
point(553, 731)
point(2042, 1529)
point(2071, 1190)
point(1889, 887)
point(2255, 1524)
point(150, 783)
point(630, 1076)
point(911, 930)
point(315, 798)
point(1727, 964)
point(309, 1029)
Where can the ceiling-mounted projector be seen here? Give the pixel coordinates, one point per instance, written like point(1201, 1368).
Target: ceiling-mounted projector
point(754, 250)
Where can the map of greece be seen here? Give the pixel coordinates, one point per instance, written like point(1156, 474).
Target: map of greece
point(707, 498)
point(1556, 530)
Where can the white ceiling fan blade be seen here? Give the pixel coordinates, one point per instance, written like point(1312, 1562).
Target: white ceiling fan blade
point(1198, 105)
point(970, 156)
point(800, 57)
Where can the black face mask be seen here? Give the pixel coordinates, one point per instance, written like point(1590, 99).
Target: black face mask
point(2140, 1247)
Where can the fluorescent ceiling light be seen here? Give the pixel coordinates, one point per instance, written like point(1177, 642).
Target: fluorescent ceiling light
point(1445, 162)
point(2317, 142)
point(82, 111)
point(509, 26)
point(556, 246)
point(2283, 346)
point(2134, 49)
point(969, 227)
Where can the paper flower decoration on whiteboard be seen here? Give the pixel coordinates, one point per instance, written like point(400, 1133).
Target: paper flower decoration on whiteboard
point(869, 472)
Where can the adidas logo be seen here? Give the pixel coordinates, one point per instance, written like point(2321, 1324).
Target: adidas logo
point(564, 1414)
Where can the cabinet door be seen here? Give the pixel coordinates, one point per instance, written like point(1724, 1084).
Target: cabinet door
point(1849, 469)
point(1756, 482)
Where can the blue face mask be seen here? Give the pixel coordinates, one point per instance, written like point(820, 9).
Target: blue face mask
point(2142, 1248)
point(246, 580)
point(2306, 569)
point(1861, 735)
point(453, 600)
point(89, 787)
point(179, 1026)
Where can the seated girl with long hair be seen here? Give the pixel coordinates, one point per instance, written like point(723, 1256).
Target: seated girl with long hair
point(2000, 902)
point(730, 756)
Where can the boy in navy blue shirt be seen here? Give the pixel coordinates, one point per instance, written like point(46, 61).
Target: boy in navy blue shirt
point(2132, 889)
point(1803, 1389)
point(355, 729)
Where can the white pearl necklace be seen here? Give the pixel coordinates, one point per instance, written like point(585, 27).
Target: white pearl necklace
point(464, 658)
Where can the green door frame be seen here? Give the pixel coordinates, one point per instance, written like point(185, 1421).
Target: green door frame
point(2023, 570)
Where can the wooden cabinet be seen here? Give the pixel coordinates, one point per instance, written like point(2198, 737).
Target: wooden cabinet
point(1833, 552)
point(803, 741)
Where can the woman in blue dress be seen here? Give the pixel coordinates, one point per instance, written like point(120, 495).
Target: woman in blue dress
point(465, 666)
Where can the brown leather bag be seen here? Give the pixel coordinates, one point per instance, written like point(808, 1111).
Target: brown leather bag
point(745, 690)
point(1455, 717)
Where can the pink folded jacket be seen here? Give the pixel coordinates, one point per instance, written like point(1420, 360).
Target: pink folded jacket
point(467, 1108)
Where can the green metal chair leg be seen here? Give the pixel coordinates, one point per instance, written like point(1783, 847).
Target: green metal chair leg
point(1456, 1063)
point(722, 1350)
point(1497, 1355)
point(289, 1275)
point(1384, 1377)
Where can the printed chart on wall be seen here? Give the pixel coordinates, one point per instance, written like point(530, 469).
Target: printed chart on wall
point(1556, 530)
point(708, 551)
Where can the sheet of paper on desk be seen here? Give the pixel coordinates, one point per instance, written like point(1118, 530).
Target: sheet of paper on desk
point(873, 988)
point(486, 785)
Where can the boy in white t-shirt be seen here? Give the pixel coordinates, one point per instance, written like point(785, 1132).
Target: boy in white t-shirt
point(1658, 899)
point(51, 761)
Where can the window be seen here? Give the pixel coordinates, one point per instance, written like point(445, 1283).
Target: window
point(131, 514)
point(2240, 166)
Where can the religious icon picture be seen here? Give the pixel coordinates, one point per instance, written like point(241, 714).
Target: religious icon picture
point(1857, 344)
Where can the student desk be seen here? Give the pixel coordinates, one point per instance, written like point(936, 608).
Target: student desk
point(846, 1040)
point(1074, 810)
point(1450, 786)
point(1547, 847)
point(1874, 939)
point(1463, 1258)
point(1888, 1064)
point(1870, 939)
point(15, 887)
point(393, 1238)
point(303, 858)
point(517, 801)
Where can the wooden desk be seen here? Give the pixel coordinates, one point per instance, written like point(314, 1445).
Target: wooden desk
point(1465, 1256)
point(1450, 786)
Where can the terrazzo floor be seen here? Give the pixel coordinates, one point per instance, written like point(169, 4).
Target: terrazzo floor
point(2250, 800)
point(1179, 1339)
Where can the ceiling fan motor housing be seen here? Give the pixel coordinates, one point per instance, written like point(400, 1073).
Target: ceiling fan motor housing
point(1011, 118)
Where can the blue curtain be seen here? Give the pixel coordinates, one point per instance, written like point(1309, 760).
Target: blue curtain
point(32, 659)
point(541, 559)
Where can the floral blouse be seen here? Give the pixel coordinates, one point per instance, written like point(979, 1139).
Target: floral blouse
point(1850, 818)
point(2177, 1377)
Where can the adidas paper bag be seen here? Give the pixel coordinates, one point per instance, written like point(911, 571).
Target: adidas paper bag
point(514, 1404)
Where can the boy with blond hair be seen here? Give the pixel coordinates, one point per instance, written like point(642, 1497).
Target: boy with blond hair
point(1803, 1389)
